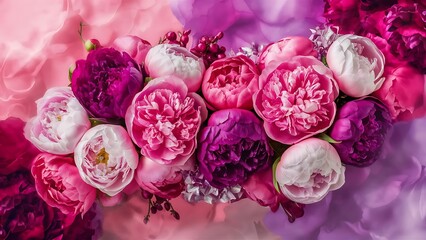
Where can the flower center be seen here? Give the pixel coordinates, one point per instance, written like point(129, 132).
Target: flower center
point(102, 157)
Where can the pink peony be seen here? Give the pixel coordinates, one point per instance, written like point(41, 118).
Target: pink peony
point(162, 180)
point(230, 83)
point(308, 170)
point(60, 122)
point(164, 119)
point(106, 158)
point(296, 99)
point(403, 92)
point(172, 59)
point(260, 188)
point(357, 65)
point(285, 49)
point(16, 152)
point(59, 184)
point(136, 47)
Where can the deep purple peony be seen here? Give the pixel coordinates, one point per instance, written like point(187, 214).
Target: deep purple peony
point(23, 214)
point(106, 82)
point(361, 126)
point(232, 147)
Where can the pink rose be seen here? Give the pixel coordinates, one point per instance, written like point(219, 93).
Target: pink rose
point(296, 99)
point(60, 122)
point(59, 184)
point(16, 151)
point(106, 158)
point(285, 49)
point(308, 170)
point(162, 180)
point(357, 65)
point(260, 188)
point(171, 59)
point(136, 47)
point(230, 83)
point(403, 92)
point(164, 119)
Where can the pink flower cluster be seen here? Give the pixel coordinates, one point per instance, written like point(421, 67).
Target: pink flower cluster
point(148, 119)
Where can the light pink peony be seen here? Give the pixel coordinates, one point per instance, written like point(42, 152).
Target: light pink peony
point(136, 47)
point(171, 59)
point(60, 122)
point(164, 119)
point(230, 83)
point(285, 49)
point(296, 99)
point(106, 158)
point(403, 92)
point(308, 170)
point(59, 184)
point(162, 180)
point(357, 65)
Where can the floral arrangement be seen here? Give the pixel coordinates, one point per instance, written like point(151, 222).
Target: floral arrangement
point(276, 123)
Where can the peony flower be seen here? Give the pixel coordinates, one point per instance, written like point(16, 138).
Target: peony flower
point(296, 99)
point(136, 47)
point(23, 214)
point(162, 180)
point(232, 147)
point(343, 15)
point(260, 188)
point(376, 5)
point(403, 92)
point(16, 152)
point(171, 59)
point(405, 31)
point(361, 128)
point(59, 184)
point(106, 158)
point(60, 122)
point(164, 120)
point(309, 170)
point(357, 65)
point(230, 83)
point(285, 49)
point(106, 82)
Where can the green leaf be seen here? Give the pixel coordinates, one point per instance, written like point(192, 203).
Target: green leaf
point(327, 138)
point(274, 179)
point(324, 60)
point(147, 79)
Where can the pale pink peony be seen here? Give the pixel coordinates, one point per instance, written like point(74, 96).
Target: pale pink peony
point(106, 158)
point(136, 47)
point(162, 180)
point(357, 65)
point(309, 170)
point(230, 83)
point(164, 119)
point(58, 183)
point(172, 59)
point(285, 49)
point(60, 122)
point(296, 99)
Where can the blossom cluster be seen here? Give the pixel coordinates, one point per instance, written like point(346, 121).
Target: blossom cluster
point(278, 124)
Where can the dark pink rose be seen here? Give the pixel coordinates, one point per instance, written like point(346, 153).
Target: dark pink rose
point(15, 150)
point(59, 184)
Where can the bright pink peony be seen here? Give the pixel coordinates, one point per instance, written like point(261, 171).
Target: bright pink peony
point(136, 47)
point(403, 92)
point(296, 99)
point(230, 83)
point(164, 119)
point(59, 184)
point(285, 49)
point(162, 180)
